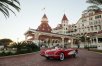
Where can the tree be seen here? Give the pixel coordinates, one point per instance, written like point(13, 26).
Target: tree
point(92, 8)
point(5, 42)
point(6, 6)
point(82, 38)
point(97, 2)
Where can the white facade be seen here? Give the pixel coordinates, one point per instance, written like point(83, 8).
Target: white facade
point(91, 23)
point(63, 27)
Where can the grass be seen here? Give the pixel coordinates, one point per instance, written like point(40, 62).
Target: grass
point(95, 50)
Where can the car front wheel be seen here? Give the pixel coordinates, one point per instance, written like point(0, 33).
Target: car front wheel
point(61, 56)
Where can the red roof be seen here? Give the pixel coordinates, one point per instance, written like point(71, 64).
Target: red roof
point(44, 26)
point(64, 17)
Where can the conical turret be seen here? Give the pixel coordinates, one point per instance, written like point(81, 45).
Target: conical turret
point(44, 26)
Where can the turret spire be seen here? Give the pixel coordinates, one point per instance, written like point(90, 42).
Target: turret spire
point(44, 18)
point(64, 17)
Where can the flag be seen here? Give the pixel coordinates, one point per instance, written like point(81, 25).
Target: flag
point(43, 9)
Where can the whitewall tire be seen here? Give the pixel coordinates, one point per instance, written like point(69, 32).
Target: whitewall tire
point(61, 56)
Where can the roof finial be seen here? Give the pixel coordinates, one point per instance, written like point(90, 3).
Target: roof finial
point(64, 11)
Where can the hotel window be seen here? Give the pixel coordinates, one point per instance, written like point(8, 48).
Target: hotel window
point(91, 23)
point(92, 28)
point(82, 24)
point(99, 27)
point(99, 16)
point(90, 18)
point(96, 22)
point(64, 24)
point(84, 20)
point(99, 22)
point(88, 29)
point(66, 28)
point(96, 27)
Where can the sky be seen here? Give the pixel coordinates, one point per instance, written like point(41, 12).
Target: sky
point(31, 14)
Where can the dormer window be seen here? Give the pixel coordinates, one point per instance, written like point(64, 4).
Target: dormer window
point(90, 18)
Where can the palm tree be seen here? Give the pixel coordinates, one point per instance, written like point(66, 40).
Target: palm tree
point(92, 8)
point(97, 2)
point(7, 5)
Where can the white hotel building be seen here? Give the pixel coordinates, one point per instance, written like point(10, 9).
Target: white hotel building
point(89, 25)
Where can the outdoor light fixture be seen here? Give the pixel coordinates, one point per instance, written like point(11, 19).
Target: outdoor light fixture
point(69, 41)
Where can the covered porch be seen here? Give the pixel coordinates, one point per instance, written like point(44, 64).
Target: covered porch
point(49, 39)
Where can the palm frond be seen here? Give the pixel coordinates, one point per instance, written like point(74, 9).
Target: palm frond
point(5, 6)
point(4, 13)
point(9, 9)
point(17, 1)
point(97, 2)
point(14, 6)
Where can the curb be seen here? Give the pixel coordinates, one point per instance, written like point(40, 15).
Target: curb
point(18, 55)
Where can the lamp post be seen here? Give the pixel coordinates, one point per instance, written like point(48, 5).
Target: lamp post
point(69, 41)
point(88, 41)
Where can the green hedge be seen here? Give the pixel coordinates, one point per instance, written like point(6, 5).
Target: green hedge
point(21, 48)
point(95, 50)
point(92, 46)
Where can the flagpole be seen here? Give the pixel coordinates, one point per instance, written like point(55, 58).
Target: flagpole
point(44, 10)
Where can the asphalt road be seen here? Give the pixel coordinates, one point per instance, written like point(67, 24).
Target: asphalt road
point(84, 58)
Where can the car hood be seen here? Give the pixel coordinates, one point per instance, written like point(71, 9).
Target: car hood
point(51, 51)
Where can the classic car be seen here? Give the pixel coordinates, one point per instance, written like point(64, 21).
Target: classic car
point(58, 53)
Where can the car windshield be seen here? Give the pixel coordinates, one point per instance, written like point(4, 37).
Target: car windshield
point(53, 49)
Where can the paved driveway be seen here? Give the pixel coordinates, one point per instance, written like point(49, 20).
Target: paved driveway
point(84, 58)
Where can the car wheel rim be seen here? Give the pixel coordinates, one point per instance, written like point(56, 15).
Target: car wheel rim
point(61, 56)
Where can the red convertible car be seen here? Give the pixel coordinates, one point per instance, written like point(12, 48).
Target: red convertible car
point(58, 53)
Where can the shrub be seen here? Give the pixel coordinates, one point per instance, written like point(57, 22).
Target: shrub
point(25, 47)
point(21, 48)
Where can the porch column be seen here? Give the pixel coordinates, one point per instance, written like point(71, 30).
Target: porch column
point(62, 42)
point(37, 38)
point(50, 44)
point(90, 41)
point(99, 46)
point(96, 40)
point(72, 43)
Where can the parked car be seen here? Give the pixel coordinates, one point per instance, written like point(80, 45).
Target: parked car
point(58, 53)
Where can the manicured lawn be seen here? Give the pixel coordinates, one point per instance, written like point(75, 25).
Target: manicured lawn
point(95, 50)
